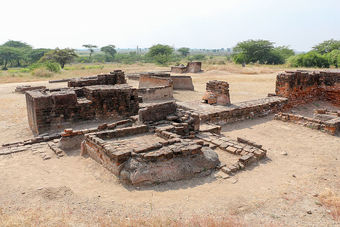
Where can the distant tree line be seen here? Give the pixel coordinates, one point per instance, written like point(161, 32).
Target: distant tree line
point(20, 54)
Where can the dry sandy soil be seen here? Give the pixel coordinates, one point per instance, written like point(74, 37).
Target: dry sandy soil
point(297, 185)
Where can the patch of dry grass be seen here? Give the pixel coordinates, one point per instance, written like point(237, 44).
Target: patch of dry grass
point(331, 201)
point(44, 217)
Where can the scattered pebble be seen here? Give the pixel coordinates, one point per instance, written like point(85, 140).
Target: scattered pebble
point(309, 212)
point(284, 153)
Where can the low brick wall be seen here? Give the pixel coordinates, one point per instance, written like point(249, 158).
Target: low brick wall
point(115, 77)
point(331, 127)
point(192, 67)
point(302, 87)
point(156, 93)
point(150, 80)
point(236, 112)
point(182, 83)
point(23, 88)
point(157, 112)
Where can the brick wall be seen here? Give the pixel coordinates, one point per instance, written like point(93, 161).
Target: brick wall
point(156, 93)
point(56, 109)
point(151, 80)
point(115, 77)
point(217, 92)
point(305, 86)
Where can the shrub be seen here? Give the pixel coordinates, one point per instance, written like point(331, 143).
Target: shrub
point(197, 57)
point(41, 72)
point(310, 59)
point(52, 66)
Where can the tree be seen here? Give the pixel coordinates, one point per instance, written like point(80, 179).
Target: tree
point(61, 56)
point(160, 53)
point(22, 50)
point(91, 48)
point(254, 51)
point(327, 46)
point(8, 54)
point(334, 58)
point(184, 51)
point(109, 50)
point(284, 51)
point(36, 54)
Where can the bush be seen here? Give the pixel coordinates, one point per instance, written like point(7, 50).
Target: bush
point(52, 66)
point(41, 72)
point(197, 57)
point(334, 58)
point(310, 59)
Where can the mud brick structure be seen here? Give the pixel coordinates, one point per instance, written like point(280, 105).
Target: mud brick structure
point(156, 93)
point(306, 86)
point(235, 112)
point(56, 109)
point(192, 67)
point(155, 152)
point(150, 80)
point(157, 112)
point(326, 122)
point(217, 92)
point(182, 83)
point(115, 77)
point(248, 151)
point(24, 88)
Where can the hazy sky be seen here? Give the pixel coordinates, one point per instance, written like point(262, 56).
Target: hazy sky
point(191, 23)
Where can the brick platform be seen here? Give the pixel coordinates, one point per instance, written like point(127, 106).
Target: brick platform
point(235, 112)
point(55, 109)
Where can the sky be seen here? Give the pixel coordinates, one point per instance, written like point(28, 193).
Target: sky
point(208, 24)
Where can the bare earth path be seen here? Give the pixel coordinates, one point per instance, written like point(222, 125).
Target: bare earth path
point(282, 190)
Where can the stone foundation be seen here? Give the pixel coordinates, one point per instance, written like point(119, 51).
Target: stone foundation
point(302, 87)
point(217, 92)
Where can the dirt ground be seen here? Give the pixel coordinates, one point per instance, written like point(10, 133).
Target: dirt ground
point(297, 185)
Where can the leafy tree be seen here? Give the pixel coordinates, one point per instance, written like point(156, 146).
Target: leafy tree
point(334, 58)
point(8, 54)
point(284, 51)
point(22, 50)
point(261, 51)
point(91, 48)
point(36, 54)
point(327, 46)
point(184, 51)
point(109, 50)
point(61, 56)
point(160, 53)
point(17, 44)
point(310, 59)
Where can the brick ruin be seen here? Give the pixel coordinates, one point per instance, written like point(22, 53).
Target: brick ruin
point(178, 82)
point(115, 77)
point(325, 121)
point(58, 108)
point(152, 143)
point(302, 87)
point(191, 67)
point(23, 88)
point(217, 92)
